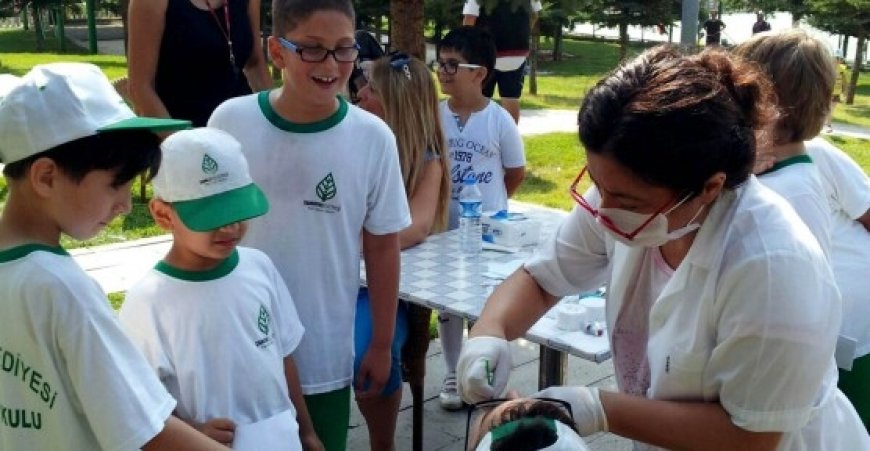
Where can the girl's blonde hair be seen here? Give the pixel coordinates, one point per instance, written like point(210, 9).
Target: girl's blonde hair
point(803, 75)
point(407, 92)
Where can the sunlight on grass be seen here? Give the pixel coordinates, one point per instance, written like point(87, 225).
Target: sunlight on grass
point(17, 54)
point(116, 298)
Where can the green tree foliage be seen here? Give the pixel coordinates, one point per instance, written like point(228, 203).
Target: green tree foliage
point(797, 8)
point(847, 17)
point(622, 13)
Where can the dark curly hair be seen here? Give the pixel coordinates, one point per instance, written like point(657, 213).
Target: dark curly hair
point(674, 120)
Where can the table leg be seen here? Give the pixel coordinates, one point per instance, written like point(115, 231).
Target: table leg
point(551, 368)
point(417, 416)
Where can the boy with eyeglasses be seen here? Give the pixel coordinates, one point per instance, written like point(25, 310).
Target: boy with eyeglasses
point(331, 172)
point(484, 142)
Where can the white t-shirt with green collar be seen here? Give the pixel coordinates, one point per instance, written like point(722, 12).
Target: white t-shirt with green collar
point(69, 377)
point(326, 182)
point(217, 339)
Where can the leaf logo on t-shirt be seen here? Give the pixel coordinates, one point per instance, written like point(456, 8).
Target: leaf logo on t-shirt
point(263, 320)
point(326, 188)
point(209, 166)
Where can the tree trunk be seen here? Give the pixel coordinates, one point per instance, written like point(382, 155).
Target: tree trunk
point(845, 45)
point(37, 27)
point(534, 45)
point(623, 40)
point(406, 31)
point(123, 5)
point(558, 40)
point(856, 69)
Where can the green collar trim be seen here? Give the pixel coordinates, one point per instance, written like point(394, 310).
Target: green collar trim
point(225, 267)
point(295, 127)
point(17, 252)
point(802, 158)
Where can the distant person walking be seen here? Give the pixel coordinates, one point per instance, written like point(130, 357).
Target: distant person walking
point(510, 25)
point(713, 27)
point(760, 24)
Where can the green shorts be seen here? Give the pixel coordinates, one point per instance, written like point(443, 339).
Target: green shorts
point(855, 386)
point(330, 413)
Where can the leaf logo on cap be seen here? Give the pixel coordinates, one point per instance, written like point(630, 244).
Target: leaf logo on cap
point(209, 166)
point(263, 320)
point(326, 188)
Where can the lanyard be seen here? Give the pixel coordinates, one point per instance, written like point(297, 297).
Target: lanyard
point(227, 34)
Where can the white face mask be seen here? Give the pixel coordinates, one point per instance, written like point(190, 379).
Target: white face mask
point(653, 234)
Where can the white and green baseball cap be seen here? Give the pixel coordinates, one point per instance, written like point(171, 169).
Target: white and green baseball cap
point(56, 103)
point(205, 177)
point(564, 438)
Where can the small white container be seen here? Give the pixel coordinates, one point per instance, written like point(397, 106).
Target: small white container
point(594, 308)
point(570, 316)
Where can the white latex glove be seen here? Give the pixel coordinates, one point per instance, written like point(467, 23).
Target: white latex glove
point(484, 368)
point(585, 405)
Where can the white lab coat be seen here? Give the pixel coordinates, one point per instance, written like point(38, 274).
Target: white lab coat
point(749, 318)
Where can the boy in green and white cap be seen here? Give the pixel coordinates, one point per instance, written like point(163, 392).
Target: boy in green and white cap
point(71, 379)
point(216, 321)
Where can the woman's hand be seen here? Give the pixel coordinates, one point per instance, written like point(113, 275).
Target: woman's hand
point(484, 368)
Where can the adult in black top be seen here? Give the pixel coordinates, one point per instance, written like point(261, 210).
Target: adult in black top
point(510, 24)
point(760, 24)
point(180, 58)
point(713, 26)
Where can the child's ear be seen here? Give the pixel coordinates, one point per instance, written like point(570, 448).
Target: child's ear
point(482, 74)
point(43, 174)
point(275, 53)
point(161, 211)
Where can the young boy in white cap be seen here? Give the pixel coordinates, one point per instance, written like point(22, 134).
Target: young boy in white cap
point(70, 378)
point(214, 320)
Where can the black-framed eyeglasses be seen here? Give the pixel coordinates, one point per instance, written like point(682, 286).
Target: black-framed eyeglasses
point(400, 61)
point(477, 411)
point(346, 54)
point(450, 67)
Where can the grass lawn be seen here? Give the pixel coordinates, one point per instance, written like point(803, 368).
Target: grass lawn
point(17, 54)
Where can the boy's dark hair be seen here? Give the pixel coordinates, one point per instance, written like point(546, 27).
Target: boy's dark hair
point(129, 153)
point(287, 14)
point(534, 431)
point(475, 44)
point(675, 120)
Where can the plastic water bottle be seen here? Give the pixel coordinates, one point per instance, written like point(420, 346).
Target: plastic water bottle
point(470, 202)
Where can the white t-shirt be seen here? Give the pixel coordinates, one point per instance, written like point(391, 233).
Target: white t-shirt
point(738, 311)
point(326, 182)
point(798, 181)
point(848, 193)
point(69, 377)
point(217, 339)
point(488, 143)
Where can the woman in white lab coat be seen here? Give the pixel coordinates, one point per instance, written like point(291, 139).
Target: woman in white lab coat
point(722, 312)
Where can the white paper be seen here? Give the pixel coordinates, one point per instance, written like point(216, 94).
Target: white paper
point(276, 433)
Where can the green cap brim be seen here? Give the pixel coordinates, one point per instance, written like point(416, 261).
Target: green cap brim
point(214, 212)
point(148, 123)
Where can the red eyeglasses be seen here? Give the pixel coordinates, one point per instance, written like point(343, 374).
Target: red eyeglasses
point(603, 219)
